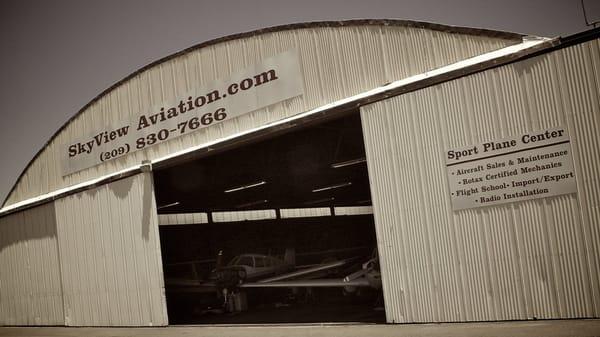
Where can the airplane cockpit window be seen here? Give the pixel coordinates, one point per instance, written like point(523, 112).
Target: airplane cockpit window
point(259, 261)
point(245, 261)
point(234, 261)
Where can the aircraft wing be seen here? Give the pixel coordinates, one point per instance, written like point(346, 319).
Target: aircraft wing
point(297, 278)
point(305, 271)
point(330, 283)
point(189, 286)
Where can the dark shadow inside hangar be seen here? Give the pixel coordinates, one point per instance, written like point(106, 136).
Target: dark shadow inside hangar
point(320, 167)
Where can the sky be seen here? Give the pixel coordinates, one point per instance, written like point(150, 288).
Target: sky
point(56, 56)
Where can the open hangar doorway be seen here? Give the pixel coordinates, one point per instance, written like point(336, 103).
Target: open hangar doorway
point(279, 230)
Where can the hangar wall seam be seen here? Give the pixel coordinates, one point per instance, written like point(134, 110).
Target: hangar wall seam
point(533, 259)
point(30, 280)
point(336, 62)
point(110, 255)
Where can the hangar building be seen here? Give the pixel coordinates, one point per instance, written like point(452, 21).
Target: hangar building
point(462, 163)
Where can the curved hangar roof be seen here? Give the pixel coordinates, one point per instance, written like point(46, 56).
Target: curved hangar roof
point(315, 64)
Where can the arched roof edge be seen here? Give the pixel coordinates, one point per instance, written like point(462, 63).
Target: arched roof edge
point(294, 26)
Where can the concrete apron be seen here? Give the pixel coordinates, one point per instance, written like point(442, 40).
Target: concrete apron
point(549, 328)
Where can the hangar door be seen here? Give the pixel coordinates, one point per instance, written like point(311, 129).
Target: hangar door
point(279, 230)
point(30, 289)
point(110, 257)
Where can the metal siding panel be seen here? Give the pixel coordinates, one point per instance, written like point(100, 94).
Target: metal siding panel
point(304, 212)
point(336, 63)
point(30, 286)
point(352, 210)
point(533, 259)
point(182, 219)
point(243, 215)
point(110, 253)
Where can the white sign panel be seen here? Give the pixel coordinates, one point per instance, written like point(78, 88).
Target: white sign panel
point(538, 164)
point(273, 80)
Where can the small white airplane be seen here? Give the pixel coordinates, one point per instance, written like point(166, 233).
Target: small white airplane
point(265, 271)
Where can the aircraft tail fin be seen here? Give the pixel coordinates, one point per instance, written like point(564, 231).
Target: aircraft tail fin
point(290, 256)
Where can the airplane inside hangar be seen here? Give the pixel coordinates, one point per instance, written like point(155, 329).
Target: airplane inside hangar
point(280, 230)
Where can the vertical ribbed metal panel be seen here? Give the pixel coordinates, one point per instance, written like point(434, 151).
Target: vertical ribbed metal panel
point(352, 210)
point(30, 287)
point(304, 212)
point(336, 62)
point(233, 216)
point(182, 219)
point(533, 259)
point(110, 255)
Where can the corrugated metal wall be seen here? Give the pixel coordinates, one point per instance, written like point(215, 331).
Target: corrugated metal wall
point(337, 62)
point(287, 213)
point(231, 216)
point(182, 219)
point(30, 287)
point(110, 255)
point(531, 259)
